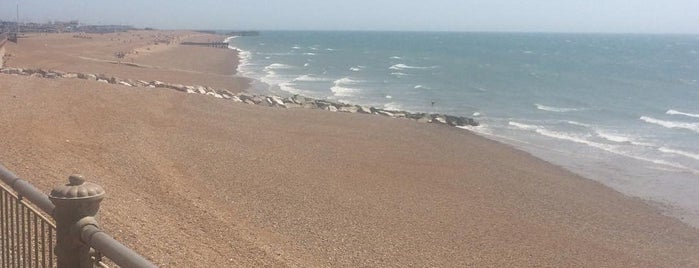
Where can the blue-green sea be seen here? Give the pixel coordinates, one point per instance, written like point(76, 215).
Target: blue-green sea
point(621, 109)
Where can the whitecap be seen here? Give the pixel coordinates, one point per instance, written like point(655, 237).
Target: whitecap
point(275, 66)
point(396, 58)
point(421, 87)
point(341, 90)
point(310, 78)
point(476, 114)
point(576, 123)
point(356, 68)
point(401, 66)
point(392, 106)
point(672, 124)
point(555, 109)
point(399, 74)
point(612, 137)
point(389, 97)
point(296, 47)
point(679, 152)
point(675, 112)
point(309, 54)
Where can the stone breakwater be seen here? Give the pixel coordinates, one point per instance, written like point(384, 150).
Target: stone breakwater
point(295, 101)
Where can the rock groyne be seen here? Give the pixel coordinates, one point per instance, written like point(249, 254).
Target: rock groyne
point(296, 101)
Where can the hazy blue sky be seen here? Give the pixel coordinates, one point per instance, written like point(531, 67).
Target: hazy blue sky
point(646, 16)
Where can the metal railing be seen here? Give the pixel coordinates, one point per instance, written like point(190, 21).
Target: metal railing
point(26, 235)
point(59, 230)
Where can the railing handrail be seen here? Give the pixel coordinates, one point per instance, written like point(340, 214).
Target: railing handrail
point(115, 251)
point(27, 191)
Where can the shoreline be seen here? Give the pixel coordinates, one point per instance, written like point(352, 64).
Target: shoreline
point(310, 188)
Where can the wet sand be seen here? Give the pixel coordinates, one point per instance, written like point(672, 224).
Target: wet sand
point(194, 181)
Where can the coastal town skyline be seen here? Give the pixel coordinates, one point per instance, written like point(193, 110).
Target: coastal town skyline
point(614, 16)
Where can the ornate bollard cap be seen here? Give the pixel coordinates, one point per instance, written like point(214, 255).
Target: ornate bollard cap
point(77, 189)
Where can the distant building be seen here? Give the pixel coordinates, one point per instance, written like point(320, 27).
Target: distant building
point(3, 41)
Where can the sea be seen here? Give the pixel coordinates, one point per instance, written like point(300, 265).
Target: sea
point(621, 109)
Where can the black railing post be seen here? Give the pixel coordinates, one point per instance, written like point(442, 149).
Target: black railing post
point(77, 203)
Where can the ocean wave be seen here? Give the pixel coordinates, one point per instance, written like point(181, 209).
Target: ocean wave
point(276, 66)
point(401, 66)
point(341, 90)
point(392, 106)
point(399, 74)
point(672, 124)
point(421, 87)
point(396, 58)
point(296, 47)
point(576, 123)
point(694, 156)
point(614, 149)
point(309, 54)
point(347, 81)
point(309, 78)
point(555, 109)
point(389, 97)
point(289, 87)
point(675, 112)
point(357, 68)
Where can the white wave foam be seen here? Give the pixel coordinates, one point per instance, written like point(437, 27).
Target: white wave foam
point(306, 64)
point(555, 109)
point(275, 66)
point(605, 147)
point(289, 87)
point(523, 126)
point(396, 58)
point(296, 47)
point(401, 66)
point(392, 106)
point(612, 137)
point(389, 97)
point(341, 90)
point(347, 81)
point(679, 152)
point(672, 124)
point(357, 68)
point(577, 123)
point(476, 114)
point(309, 54)
point(399, 74)
point(675, 112)
point(309, 78)
point(421, 87)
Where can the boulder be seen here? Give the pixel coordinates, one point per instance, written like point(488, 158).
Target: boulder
point(384, 113)
point(51, 75)
point(348, 109)
point(276, 101)
point(91, 77)
point(236, 99)
point(298, 99)
point(364, 110)
point(157, 83)
point(438, 118)
point(201, 90)
point(69, 75)
point(331, 108)
point(125, 83)
point(103, 81)
point(142, 83)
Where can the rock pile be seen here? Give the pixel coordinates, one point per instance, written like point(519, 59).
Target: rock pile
point(295, 101)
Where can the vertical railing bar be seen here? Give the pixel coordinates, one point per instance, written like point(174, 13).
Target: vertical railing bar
point(22, 246)
point(26, 238)
point(50, 247)
point(2, 228)
point(21, 234)
point(36, 240)
point(43, 245)
point(12, 234)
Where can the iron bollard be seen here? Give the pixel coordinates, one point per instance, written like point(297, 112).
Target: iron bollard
point(77, 204)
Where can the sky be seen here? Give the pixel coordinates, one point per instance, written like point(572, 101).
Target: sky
point(599, 16)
